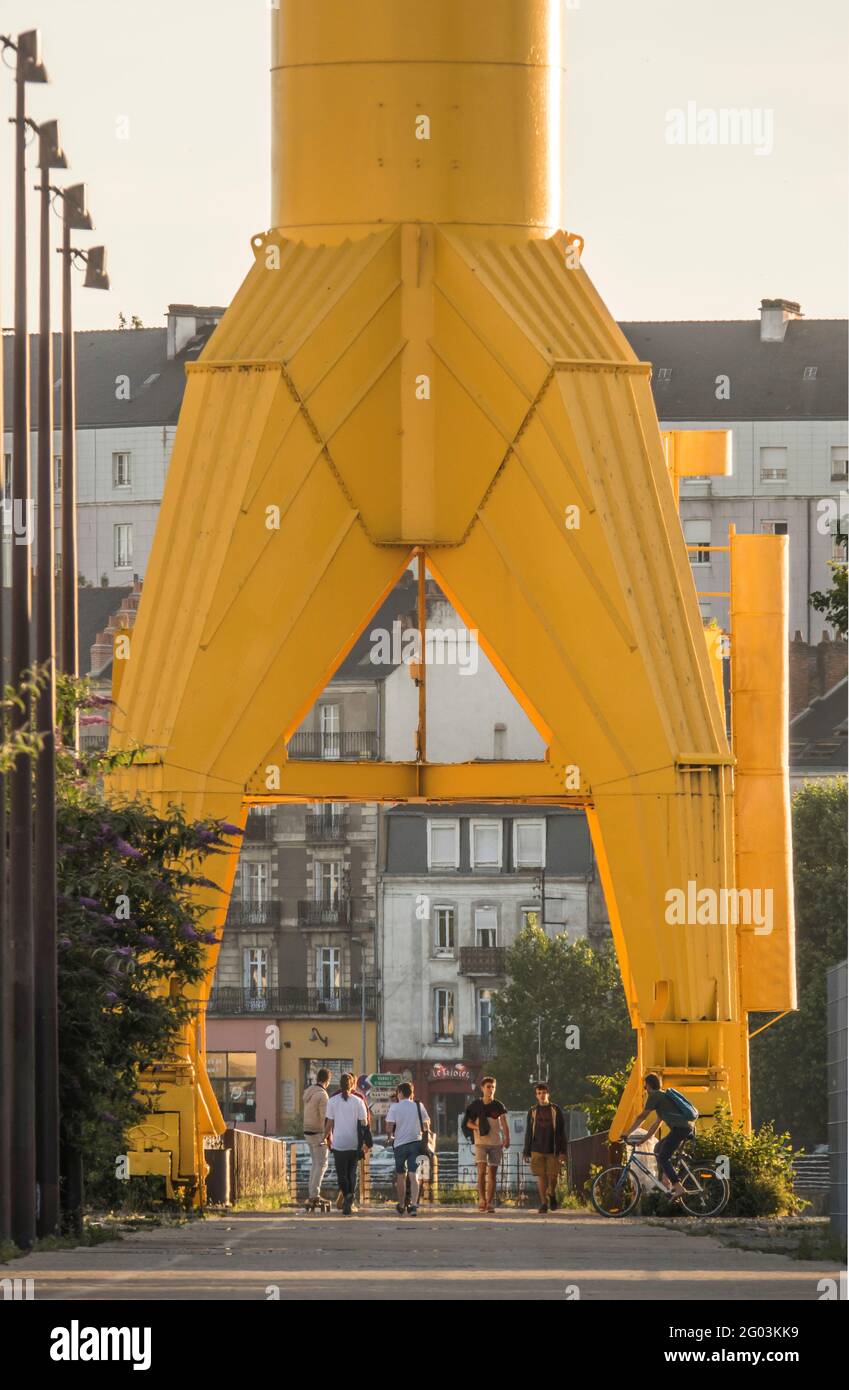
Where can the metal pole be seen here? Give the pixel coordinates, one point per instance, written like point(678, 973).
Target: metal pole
point(46, 987)
point(421, 741)
point(20, 841)
point(6, 1027)
point(70, 661)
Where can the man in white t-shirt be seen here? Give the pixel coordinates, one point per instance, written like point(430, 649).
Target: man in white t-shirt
point(345, 1113)
point(406, 1122)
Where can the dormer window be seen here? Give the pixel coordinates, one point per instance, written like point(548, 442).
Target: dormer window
point(809, 374)
point(664, 374)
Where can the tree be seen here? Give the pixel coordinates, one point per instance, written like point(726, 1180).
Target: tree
point(788, 1059)
point(130, 939)
point(578, 995)
point(832, 601)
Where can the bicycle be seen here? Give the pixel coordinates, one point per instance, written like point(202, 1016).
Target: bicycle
point(617, 1191)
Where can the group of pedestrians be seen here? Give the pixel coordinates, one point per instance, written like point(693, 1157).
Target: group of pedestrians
point(341, 1125)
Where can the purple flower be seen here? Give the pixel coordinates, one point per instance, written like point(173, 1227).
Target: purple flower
point(111, 997)
point(209, 937)
point(148, 940)
point(123, 950)
point(89, 902)
point(110, 921)
point(107, 832)
point(109, 1118)
point(188, 932)
point(64, 941)
point(226, 829)
point(127, 850)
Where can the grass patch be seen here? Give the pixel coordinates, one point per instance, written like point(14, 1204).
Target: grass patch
point(809, 1238)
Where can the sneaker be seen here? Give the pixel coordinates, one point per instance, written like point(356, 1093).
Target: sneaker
point(542, 1208)
point(400, 1208)
point(552, 1201)
point(414, 1211)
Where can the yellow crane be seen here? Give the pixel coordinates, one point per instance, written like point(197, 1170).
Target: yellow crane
point(418, 363)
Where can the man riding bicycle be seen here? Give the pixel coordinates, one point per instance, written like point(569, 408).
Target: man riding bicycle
point(667, 1110)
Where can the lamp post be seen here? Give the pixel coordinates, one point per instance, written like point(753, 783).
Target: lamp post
point(50, 156)
point(75, 217)
point(357, 941)
point(29, 68)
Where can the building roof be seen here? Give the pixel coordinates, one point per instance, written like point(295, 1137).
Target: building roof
point(767, 379)
point(95, 606)
point(818, 734)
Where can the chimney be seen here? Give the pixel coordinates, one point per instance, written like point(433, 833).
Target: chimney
point(185, 321)
point(775, 316)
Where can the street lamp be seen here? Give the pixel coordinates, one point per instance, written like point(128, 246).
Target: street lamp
point(28, 68)
point(356, 941)
point(50, 156)
point(75, 217)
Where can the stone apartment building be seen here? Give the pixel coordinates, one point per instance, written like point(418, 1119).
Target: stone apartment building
point(457, 885)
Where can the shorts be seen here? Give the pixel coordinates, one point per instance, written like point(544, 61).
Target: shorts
point(545, 1165)
point(406, 1156)
point(489, 1153)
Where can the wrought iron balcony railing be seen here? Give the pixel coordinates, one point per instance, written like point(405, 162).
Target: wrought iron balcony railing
point(478, 1047)
point(342, 746)
point(291, 1001)
point(253, 914)
point(259, 827)
point(483, 960)
point(319, 914)
point(323, 826)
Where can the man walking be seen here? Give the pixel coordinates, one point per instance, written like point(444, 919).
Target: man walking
point(406, 1124)
point(315, 1110)
point(545, 1145)
point(487, 1119)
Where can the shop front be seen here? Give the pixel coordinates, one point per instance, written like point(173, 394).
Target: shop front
point(444, 1088)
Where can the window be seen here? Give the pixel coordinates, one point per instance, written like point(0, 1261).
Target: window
point(335, 1065)
point(839, 550)
point(486, 843)
point(773, 465)
point(531, 917)
point(839, 464)
point(443, 844)
point(529, 844)
point(774, 528)
point(443, 1015)
point(255, 884)
point(255, 972)
point(328, 882)
point(123, 546)
point(485, 1015)
point(328, 974)
point(121, 471)
point(443, 931)
point(697, 533)
point(330, 740)
point(57, 471)
point(664, 374)
point(809, 374)
point(233, 1077)
point(486, 927)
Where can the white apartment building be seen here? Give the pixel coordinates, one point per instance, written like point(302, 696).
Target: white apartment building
point(779, 383)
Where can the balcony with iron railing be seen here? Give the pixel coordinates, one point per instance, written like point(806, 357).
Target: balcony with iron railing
point(338, 914)
point(326, 826)
point(291, 1002)
point(253, 914)
point(334, 747)
point(259, 827)
point(483, 960)
point(478, 1047)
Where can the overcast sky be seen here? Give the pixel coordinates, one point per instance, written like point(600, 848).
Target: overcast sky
point(676, 231)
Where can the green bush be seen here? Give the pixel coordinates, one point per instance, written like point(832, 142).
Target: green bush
point(761, 1171)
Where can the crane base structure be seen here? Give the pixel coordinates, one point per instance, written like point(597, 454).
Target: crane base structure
point(418, 365)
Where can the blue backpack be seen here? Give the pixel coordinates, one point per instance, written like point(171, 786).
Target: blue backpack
point(682, 1104)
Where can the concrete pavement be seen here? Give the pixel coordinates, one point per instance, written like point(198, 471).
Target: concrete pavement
point(453, 1254)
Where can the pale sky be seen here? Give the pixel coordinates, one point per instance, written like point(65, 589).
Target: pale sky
point(680, 232)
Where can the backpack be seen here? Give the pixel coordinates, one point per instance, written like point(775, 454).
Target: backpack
point(682, 1104)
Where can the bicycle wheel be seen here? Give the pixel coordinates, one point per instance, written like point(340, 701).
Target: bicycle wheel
point(615, 1192)
point(713, 1197)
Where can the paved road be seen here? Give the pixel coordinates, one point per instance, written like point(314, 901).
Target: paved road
point(452, 1255)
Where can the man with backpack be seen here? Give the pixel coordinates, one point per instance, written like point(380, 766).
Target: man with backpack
point(678, 1114)
point(545, 1145)
point(408, 1126)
